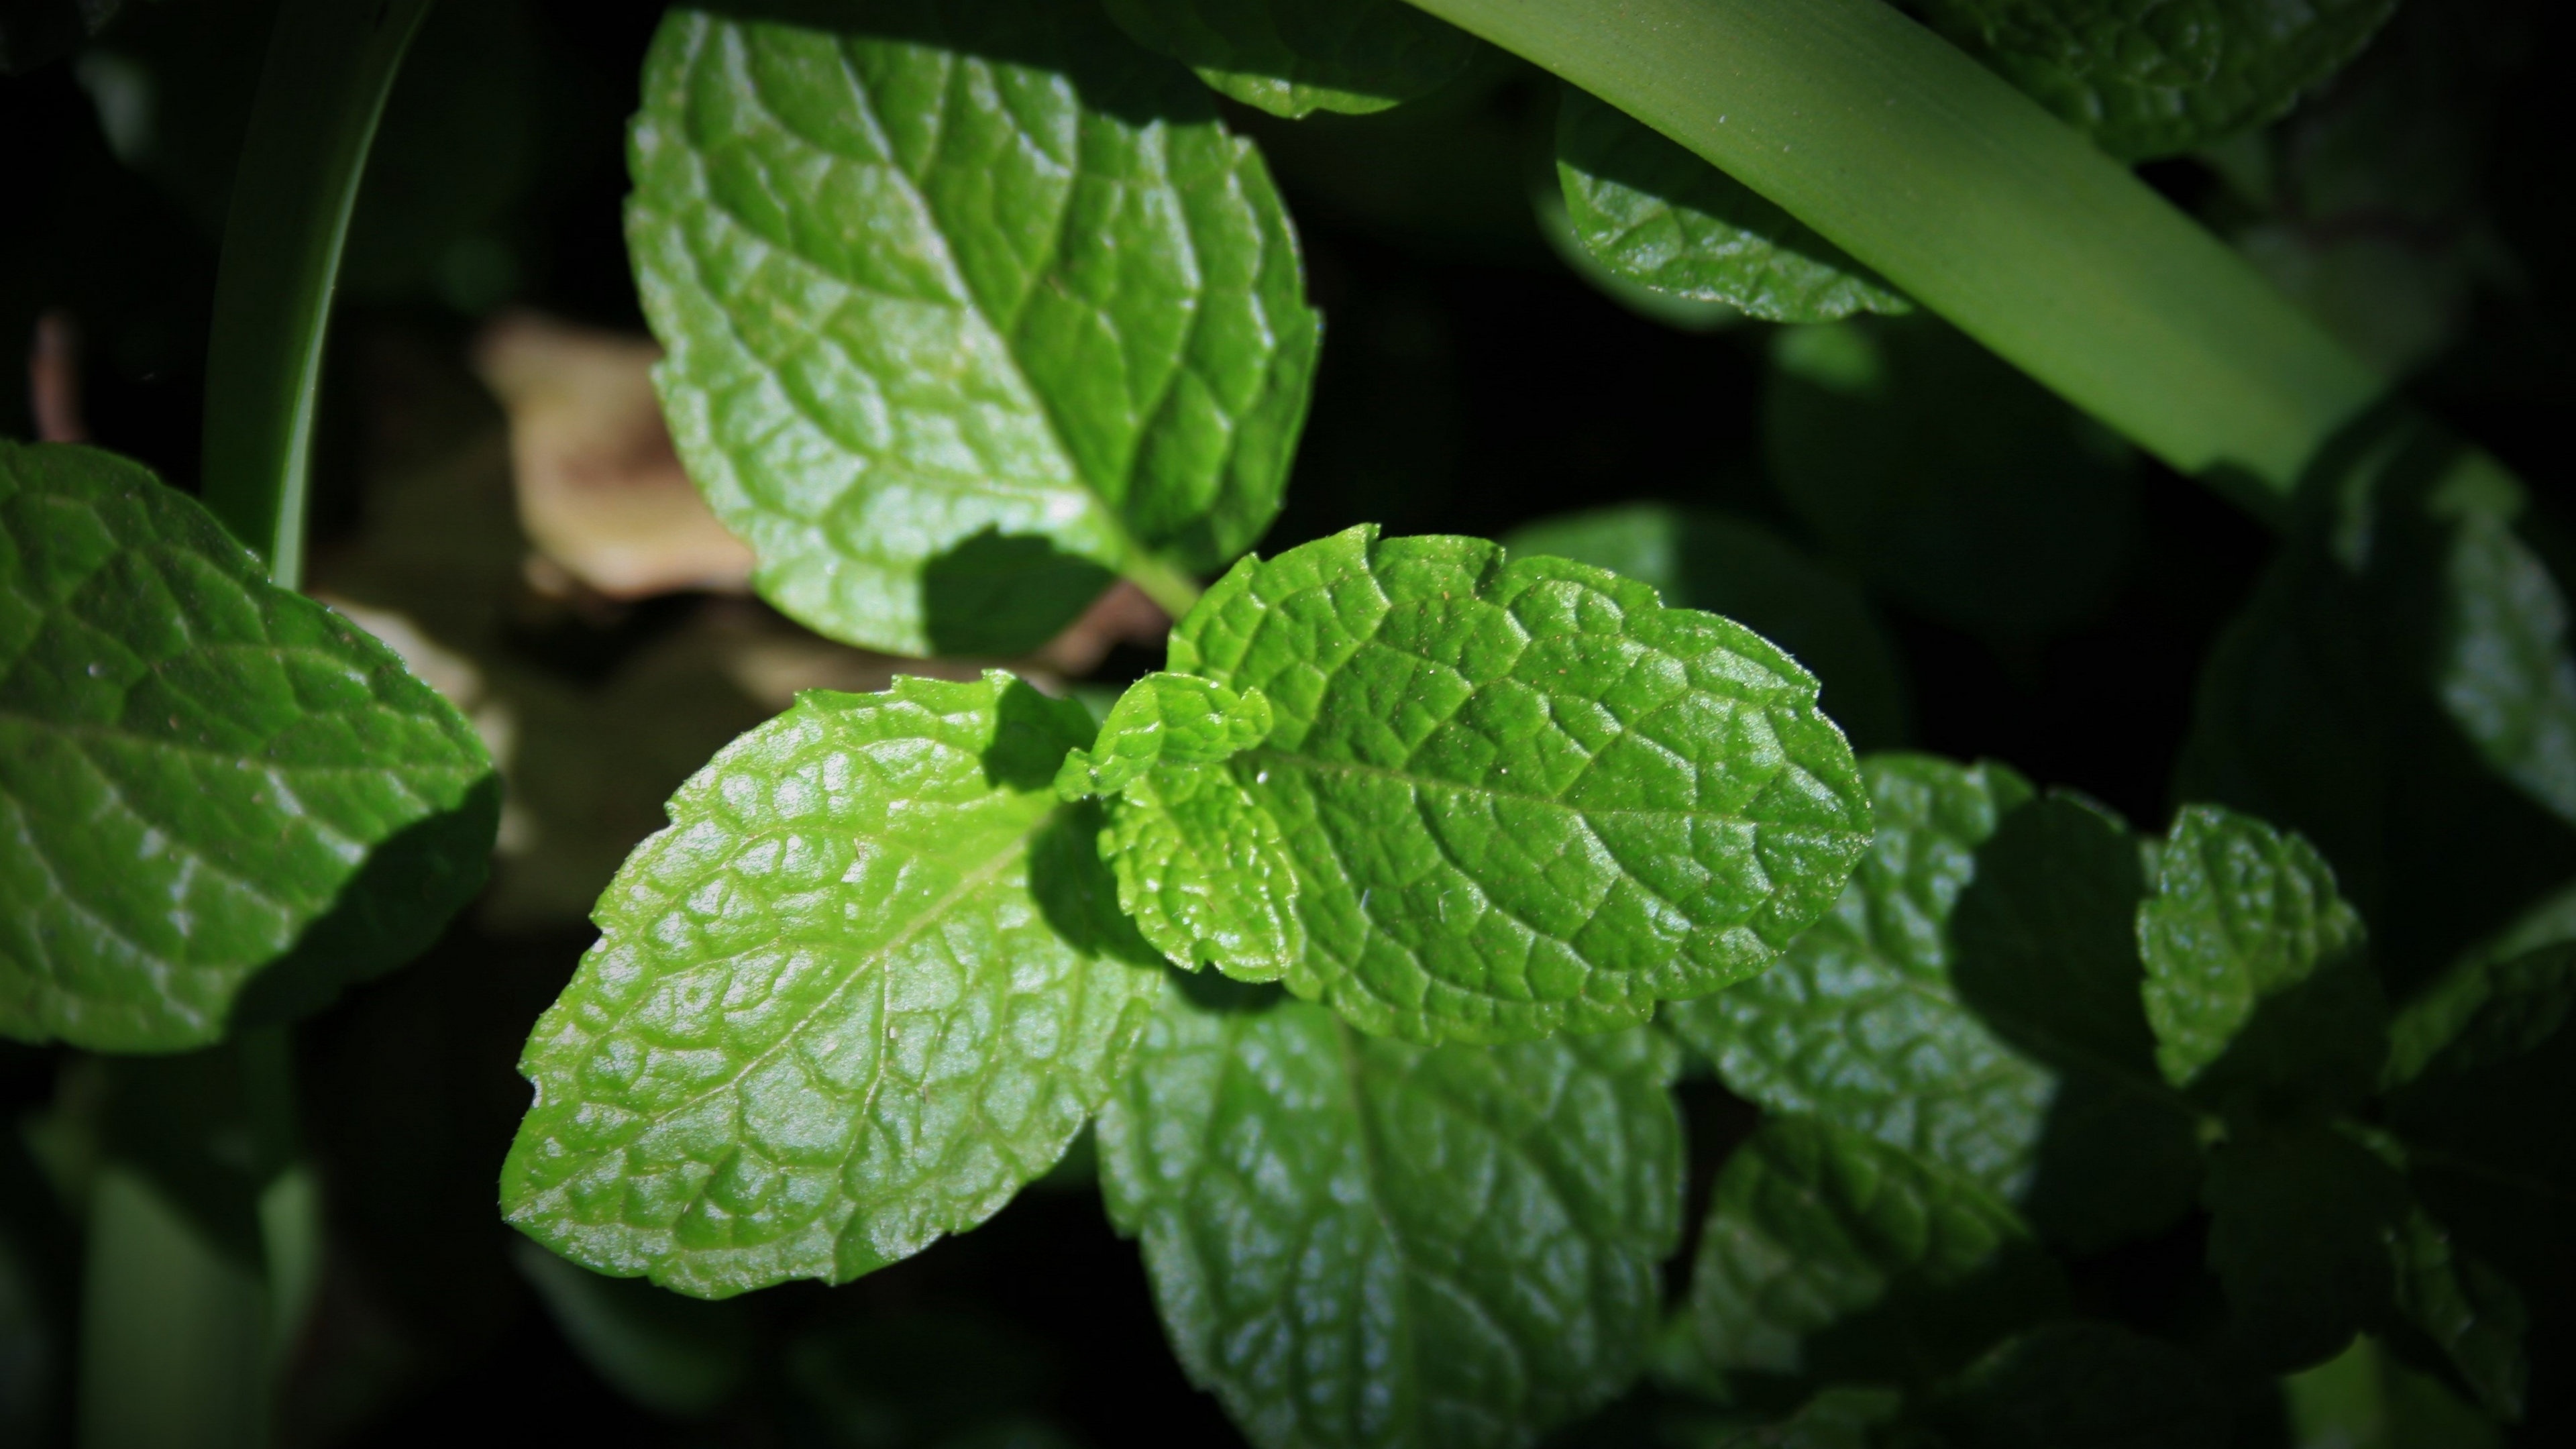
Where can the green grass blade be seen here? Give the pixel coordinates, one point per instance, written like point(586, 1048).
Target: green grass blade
point(1976, 202)
point(330, 66)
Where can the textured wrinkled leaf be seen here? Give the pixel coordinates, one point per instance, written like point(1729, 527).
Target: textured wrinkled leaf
point(2083, 1386)
point(2046, 938)
point(1520, 794)
point(1659, 216)
point(1360, 1241)
point(1857, 1022)
point(1703, 560)
point(2401, 691)
point(964, 313)
point(2472, 1315)
point(2154, 77)
point(1947, 478)
point(2299, 1226)
point(1295, 57)
point(218, 799)
point(2255, 977)
point(1831, 1255)
point(1165, 721)
point(863, 988)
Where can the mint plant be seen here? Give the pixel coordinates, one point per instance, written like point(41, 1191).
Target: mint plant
point(1483, 978)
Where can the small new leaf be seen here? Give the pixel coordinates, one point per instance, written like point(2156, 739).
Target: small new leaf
point(2254, 972)
point(219, 800)
point(867, 984)
point(1165, 721)
point(1521, 795)
point(1295, 57)
point(1202, 870)
point(965, 313)
point(2152, 77)
point(1355, 1241)
point(1858, 1023)
point(1831, 1255)
point(1659, 216)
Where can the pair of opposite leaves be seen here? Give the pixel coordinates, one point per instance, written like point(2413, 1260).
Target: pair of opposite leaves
point(970, 314)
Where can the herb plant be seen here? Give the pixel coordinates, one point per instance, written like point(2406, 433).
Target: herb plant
point(1365, 952)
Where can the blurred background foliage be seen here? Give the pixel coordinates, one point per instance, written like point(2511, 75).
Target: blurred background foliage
point(1971, 567)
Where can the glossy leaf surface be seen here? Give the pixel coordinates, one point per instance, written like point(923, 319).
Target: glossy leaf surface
point(2254, 969)
point(2153, 77)
point(1202, 870)
point(1662, 217)
point(966, 313)
point(219, 800)
point(1521, 795)
point(868, 983)
point(1858, 1023)
point(1706, 560)
point(1295, 57)
point(1356, 1241)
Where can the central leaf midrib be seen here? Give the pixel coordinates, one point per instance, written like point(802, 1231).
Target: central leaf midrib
point(1312, 765)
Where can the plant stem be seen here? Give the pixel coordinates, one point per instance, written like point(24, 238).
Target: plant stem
point(331, 63)
point(1167, 586)
point(1978, 203)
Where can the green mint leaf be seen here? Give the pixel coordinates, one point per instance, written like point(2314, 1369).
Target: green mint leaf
point(2255, 976)
point(1520, 795)
point(868, 983)
point(2400, 690)
point(2472, 1315)
point(2083, 1386)
point(2151, 78)
point(1702, 560)
point(1295, 57)
point(1662, 217)
point(2299, 1229)
point(2366, 1398)
point(2484, 1011)
point(1359, 1241)
point(1203, 871)
point(1947, 478)
point(2046, 938)
point(965, 313)
point(2118, 1159)
point(1857, 1022)
point(2488, 1128)
point(1168, 721)
point(219, 800)
point(1831, 1255)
